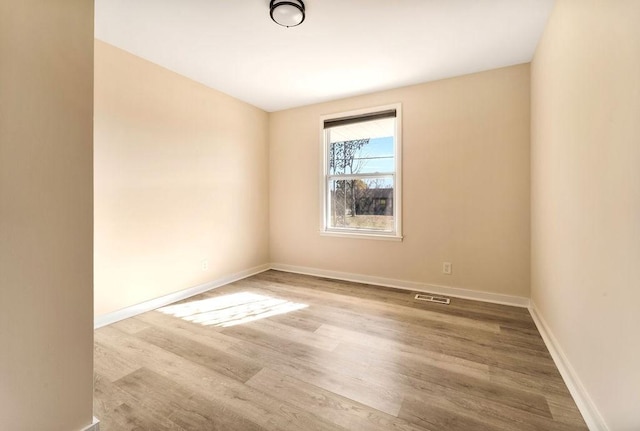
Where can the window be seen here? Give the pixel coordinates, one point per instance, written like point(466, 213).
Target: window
point(361, 175)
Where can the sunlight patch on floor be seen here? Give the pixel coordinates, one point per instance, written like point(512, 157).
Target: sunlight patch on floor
point(233, 309)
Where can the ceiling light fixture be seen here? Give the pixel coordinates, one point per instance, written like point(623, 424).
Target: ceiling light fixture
point(287, 13)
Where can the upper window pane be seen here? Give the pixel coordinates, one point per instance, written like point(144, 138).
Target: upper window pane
point(366, 147)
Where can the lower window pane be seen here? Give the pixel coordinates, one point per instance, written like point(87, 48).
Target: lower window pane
point(365, 204)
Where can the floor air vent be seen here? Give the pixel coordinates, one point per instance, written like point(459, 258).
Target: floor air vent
point(433, 298)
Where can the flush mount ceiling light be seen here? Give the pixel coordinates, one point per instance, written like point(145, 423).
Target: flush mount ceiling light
point(287, 13)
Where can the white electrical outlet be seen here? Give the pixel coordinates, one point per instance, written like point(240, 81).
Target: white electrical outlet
point(204, 264)
point(446, 268)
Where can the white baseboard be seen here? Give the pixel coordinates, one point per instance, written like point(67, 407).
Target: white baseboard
point(95, 425)
point(587, 408)
point(457, 292)
point(134, 310)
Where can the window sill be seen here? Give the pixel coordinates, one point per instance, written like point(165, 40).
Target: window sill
point(359, 235)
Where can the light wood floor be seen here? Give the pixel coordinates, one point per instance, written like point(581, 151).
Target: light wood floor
point(356, 357)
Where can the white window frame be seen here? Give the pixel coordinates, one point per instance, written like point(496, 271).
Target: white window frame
point(325, 230)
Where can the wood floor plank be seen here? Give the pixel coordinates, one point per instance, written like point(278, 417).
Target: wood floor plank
point(433, 416)
point(109, 364)
point(123, 412)
point(326, 404)
point(528, 382)
point(301, 336)
point(297, 320)
point(107, 397)
point(186, 409)
point(130, 326)
point(411, 337)
point(357, 358)
point(490, 414)
point(330, 373)
point(253, 405)
point(184, 329)
point(234, 366)
point(436, 380)
point(374, 349)
point(135, 417)
point(566, 412)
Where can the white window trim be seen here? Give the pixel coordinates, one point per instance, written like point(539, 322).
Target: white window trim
point(397, 201)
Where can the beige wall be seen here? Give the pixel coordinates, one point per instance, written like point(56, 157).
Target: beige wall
point(181, 176)
point(46, 276)
point(466, 186)
point(586, 197)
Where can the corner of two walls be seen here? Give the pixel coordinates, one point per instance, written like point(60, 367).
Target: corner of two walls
point(586, 201)
point(181, 182)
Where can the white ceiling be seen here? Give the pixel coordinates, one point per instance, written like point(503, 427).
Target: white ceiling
point(344, 47)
